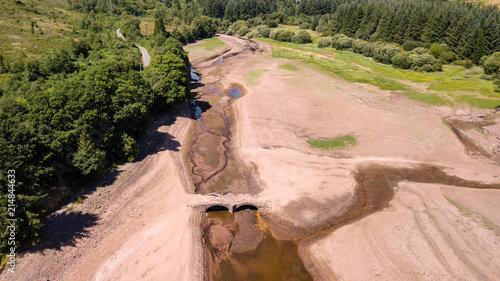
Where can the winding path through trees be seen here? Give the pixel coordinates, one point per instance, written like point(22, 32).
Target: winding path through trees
point(145, 56)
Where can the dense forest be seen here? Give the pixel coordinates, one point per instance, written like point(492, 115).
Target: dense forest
point(469, 30)
point(424, 34)
point(66, 117)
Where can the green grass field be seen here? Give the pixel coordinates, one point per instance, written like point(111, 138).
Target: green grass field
point(455, 85)
point(53, 27)
point(205, 48)
point(288, 67)
point(343, 69)
point(210, 44)
point(339, 142)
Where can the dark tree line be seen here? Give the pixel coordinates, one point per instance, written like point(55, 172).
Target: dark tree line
point(470, 30)
point(132, 7)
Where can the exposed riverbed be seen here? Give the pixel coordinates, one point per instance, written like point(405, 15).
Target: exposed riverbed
point(237, 246)
point(246, 246)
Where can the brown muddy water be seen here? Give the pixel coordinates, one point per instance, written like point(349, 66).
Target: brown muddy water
point(241, 247)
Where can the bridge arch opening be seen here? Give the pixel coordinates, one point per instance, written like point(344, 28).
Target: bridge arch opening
point(246, 207)
point(215, 208)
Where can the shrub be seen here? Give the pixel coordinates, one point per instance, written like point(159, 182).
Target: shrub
point(253, 34)
point(425, 63)
point(292, 21)
point(243, 31)
point(264, 31)
point(342, 42)
point(321, 28)
point(492, 64)
point(224, 25)
point(384, 52)
point(130, 148)
point(358, 45)
point(275, 33)
point(294, 39)
point(337, 37)
point(421, 51)
point(369, 49)
point(486, 77)
point(402, 60)
point(285, 36)
point(238, 24)
point(436, 50)
point(467, 63)
point(424, 68)
point(410, 45)
point(305, 25)
point(324, 42)
point(447, 57)
point(255, 21)
point(271, 23)
point(304, 37)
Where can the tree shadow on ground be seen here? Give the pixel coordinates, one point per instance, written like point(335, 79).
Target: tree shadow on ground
point(195, 85)
point(64, 229)
point(155, 139)
point(204, 105)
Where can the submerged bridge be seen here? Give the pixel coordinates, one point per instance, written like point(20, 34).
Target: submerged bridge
point(229, 204)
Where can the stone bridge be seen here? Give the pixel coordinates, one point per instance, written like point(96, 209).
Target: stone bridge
point(231, 204)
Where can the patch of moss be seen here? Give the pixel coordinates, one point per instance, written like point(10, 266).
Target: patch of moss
point(339, 142)
point(288, 67)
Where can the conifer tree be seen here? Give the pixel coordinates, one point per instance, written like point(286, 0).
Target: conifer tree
point(435, 27)
point(467, 43)
point(479, 47)
point(159, 29)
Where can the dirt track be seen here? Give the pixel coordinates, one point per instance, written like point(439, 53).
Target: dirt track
point(142, 225)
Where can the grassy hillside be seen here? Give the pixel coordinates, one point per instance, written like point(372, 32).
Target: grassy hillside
point(34, 26)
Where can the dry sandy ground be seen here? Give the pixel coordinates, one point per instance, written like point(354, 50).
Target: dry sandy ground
point(146, 229)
